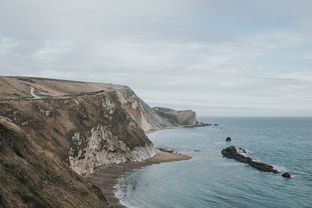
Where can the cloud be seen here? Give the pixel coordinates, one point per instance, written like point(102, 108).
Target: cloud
point(216, 57)
point(7, 44)
point(51, 51)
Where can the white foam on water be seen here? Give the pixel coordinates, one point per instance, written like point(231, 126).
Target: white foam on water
point(281, 169)
point(122, 195)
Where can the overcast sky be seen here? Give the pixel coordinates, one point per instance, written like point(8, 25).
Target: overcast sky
point(217, 57)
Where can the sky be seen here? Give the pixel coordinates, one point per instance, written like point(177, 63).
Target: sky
point(216, 57)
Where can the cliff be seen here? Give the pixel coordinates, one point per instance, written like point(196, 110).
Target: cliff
point(176, 118)
point(93, 130)
point(19, 88)
point(54, 131)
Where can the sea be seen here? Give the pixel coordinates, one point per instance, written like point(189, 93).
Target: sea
point(209, 180)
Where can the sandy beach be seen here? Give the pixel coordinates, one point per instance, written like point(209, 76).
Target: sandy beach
point(107, 178)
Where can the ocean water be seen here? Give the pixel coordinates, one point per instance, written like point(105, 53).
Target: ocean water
point(209, 180)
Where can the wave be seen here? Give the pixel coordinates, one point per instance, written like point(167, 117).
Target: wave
point(121, 194)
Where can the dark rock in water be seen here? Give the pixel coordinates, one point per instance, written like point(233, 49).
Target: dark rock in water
point(196, 150)
point(231, 152)
point(241, 150)
point(188, 126)
point(216, 124)
point(202, 124)
point(228, 139)
point(286, 175)
point(166, 149)
point(198, 124)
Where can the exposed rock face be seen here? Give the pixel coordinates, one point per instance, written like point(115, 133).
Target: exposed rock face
point(93, 130)
point(182, 117)
point(144, 115)
point(102, 148)
point(231, 152)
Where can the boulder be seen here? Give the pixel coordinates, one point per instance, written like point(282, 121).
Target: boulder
point(286, 175)
point(231, 152)
point(241, 150)
point(228, 139)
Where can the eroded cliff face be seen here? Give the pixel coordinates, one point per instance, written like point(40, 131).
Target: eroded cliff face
point(102, 148)
point(93, 130)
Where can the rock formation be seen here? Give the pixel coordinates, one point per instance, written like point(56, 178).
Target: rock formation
point(202, 124)
point(231, 152)
point(241, 150)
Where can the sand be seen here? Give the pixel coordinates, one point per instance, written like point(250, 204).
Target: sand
point(107, 178)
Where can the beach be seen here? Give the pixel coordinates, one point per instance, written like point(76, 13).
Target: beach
point(107, 178)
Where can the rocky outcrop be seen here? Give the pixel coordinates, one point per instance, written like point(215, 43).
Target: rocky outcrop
point(286, 175)
point(242, 150)
point(231, 152)
point(202, 124)
point(176, 118)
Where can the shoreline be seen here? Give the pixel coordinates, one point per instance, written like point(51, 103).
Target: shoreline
point(107, 178)
point(166, 128)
